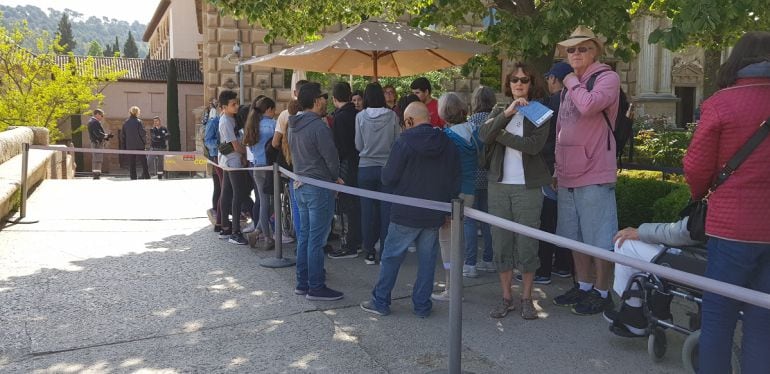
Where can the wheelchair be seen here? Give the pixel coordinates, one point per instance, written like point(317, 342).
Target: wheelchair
point(657, 294)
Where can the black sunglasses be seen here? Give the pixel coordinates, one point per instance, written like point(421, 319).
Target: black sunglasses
point(523, 80)
point(579, 49)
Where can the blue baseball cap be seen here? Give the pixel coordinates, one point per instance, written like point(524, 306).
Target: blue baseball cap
point(559, 70)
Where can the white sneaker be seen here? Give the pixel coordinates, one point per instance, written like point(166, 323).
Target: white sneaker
point(440, 296)
point(469, 271)
point(285, 239)
point(486, 266)
point(250, 227)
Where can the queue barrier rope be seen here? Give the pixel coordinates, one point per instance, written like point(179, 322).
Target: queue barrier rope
point(699, 282)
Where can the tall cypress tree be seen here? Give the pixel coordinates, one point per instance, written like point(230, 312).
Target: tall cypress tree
point(116, 48)
point(108, 51)
point(172, 108)
point(66, 40)
point(129, 48)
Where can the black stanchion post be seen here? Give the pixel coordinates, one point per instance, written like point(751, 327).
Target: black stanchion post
point(278, 261)
point(24, 191)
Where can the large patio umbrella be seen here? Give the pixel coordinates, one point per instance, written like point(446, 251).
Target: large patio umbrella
point(377, 49)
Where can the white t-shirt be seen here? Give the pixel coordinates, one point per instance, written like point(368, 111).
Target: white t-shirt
point(513, 167)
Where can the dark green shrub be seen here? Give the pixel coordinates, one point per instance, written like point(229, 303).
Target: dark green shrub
point(668, 207)
point(636, 197)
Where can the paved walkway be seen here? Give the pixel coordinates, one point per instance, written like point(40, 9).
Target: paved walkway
point(136, 281)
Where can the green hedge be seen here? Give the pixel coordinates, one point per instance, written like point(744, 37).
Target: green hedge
point(643, 197)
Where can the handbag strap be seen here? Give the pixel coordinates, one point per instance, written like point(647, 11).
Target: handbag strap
point(740, 156)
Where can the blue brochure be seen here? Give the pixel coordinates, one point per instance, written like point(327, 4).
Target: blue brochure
point(536, 112)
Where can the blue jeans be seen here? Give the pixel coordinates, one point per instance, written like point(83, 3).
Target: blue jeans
point(398, 240)
point(316, 209)
point(469, 231)
point(375, 214)
point(746, 265)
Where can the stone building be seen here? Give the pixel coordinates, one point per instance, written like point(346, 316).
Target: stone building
point(660, 82)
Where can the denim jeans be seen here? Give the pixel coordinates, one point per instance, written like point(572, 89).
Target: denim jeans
point(316, 210)
point(588, 214)
point(746, 265)
point(375, 214)
point(469, 231)
point(398, 240)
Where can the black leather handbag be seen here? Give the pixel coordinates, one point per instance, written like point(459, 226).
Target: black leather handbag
point(696, 210)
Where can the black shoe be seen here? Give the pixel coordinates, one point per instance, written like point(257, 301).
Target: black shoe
point(539, 279)
point(593, 303)
point(561, 273)
point(343, 253)
point(629, 322)
point(572, 297)
point(237, 238)
point(324, 294)
point(371, 259)
point(225, 234)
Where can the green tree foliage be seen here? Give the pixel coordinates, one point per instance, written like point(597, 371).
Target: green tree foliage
point(108, 51)
point(129, 47)
point(36, 90)
point(84, 28)
point(64, 33)
point(524, 29)
point(94, 48)
point(172, 108)
point(116, 48)
point(711, 24)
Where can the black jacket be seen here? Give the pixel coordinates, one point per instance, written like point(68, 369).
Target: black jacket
point(425, 164)
point(158, 137)
point(133, 134)
point(345, 131)
point(96, 131)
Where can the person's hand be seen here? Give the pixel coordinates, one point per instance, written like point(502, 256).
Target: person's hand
point(340, 181)
point(572, 74)
point(555, 184)
point(629, 233)
point(513, 107)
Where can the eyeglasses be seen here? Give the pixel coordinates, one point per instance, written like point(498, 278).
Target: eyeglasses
point(523, 80)
point(579, 49)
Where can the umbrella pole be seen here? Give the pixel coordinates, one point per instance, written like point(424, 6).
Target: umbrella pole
point(374, 65)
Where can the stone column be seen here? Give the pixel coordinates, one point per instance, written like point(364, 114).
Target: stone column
point(666, 62)
point(647, 59)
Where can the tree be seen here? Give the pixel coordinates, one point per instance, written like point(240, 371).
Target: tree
point(172, 108)
point(38, 90)
point(710, 24)
point(524, 29)
point(108, 51)
point(116, 48)
point(94, 48)
point(64, 33)
point(129, 48)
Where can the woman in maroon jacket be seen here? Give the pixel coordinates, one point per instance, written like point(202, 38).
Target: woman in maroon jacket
point(739, 243)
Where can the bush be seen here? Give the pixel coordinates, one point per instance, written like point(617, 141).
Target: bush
point(667, 208)
point(661, 148)
point(636, 198)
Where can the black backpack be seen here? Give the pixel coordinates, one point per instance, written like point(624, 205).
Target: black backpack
point(623, 130)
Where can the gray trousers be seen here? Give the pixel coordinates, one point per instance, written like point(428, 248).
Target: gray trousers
point(156, 162)
point(96, 158)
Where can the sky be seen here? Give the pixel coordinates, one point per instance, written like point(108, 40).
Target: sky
point(135, 10)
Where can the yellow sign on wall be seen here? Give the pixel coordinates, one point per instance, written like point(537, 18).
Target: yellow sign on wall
point(191, 162)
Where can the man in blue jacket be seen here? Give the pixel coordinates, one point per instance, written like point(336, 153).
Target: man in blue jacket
point(423, 164)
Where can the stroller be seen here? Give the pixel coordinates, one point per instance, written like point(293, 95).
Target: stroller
point(657, 294)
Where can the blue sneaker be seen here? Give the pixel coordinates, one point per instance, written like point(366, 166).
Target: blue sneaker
point(368, 306)
point(571, 298)
point(324, 294)
point(593, 303)
point(538, 279)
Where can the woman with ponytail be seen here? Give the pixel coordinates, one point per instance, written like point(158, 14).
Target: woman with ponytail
point(260, 127)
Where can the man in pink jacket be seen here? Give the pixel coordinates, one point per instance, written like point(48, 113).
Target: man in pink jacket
point(586, 171)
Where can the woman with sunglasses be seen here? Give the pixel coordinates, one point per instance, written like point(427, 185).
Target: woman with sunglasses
point(517, 173)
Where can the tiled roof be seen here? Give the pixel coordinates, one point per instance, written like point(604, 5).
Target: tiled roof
point(146, 70)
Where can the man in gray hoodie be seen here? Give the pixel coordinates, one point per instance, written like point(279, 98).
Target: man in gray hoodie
point(314, 156)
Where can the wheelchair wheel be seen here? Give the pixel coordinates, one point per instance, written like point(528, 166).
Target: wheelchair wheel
point(690, 352)
point(656, 344)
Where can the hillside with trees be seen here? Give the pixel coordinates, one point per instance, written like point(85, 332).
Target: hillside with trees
point(85, 29)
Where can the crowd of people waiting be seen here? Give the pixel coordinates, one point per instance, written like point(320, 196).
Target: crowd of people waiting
point(558, 176)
